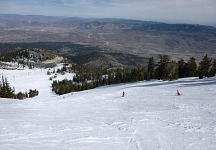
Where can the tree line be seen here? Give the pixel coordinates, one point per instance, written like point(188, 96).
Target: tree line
point(163, 69)
point(6, 91)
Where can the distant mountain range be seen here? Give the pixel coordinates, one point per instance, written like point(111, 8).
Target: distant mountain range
point(132, 37)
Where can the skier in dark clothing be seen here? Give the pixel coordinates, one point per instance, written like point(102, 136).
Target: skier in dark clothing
point(123, 94)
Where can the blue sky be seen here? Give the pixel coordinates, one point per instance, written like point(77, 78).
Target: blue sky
point(174, 11)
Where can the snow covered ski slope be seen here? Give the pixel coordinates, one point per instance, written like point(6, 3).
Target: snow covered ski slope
point(150, 116)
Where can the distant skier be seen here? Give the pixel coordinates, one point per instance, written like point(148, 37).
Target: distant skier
point(123, 94)
point(178, 93)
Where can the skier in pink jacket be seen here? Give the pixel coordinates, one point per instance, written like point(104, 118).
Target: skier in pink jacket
point(178, 93)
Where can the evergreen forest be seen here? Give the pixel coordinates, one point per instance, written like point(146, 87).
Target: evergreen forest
point(162, 69)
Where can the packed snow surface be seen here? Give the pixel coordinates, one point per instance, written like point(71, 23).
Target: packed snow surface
point(149, 117)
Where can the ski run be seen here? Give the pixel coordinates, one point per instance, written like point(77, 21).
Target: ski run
point(150, 116)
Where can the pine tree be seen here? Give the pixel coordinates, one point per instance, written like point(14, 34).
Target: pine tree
point(162, 67)
point(1, 92)
point(151, 68)
point(181, 68)
point(192, 67)
point(173, 70)
point(20, 95)
point(213, 69)
point(118, 76)
point(141, 76)
point(134, 75)
point(5, 90)
point(110, 78)
point(104, 81)
point(204, 67)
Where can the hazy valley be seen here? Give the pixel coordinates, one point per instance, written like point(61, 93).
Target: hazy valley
point(109, 42)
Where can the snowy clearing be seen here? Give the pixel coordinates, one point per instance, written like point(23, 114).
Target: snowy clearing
point(150, 116)
point(55, 60)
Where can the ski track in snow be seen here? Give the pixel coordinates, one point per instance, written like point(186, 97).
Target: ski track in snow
point(149, 117)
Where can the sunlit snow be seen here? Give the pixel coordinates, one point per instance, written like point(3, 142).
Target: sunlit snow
point(150, 116)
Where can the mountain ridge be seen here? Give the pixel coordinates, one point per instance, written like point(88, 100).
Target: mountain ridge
point(133, 37)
